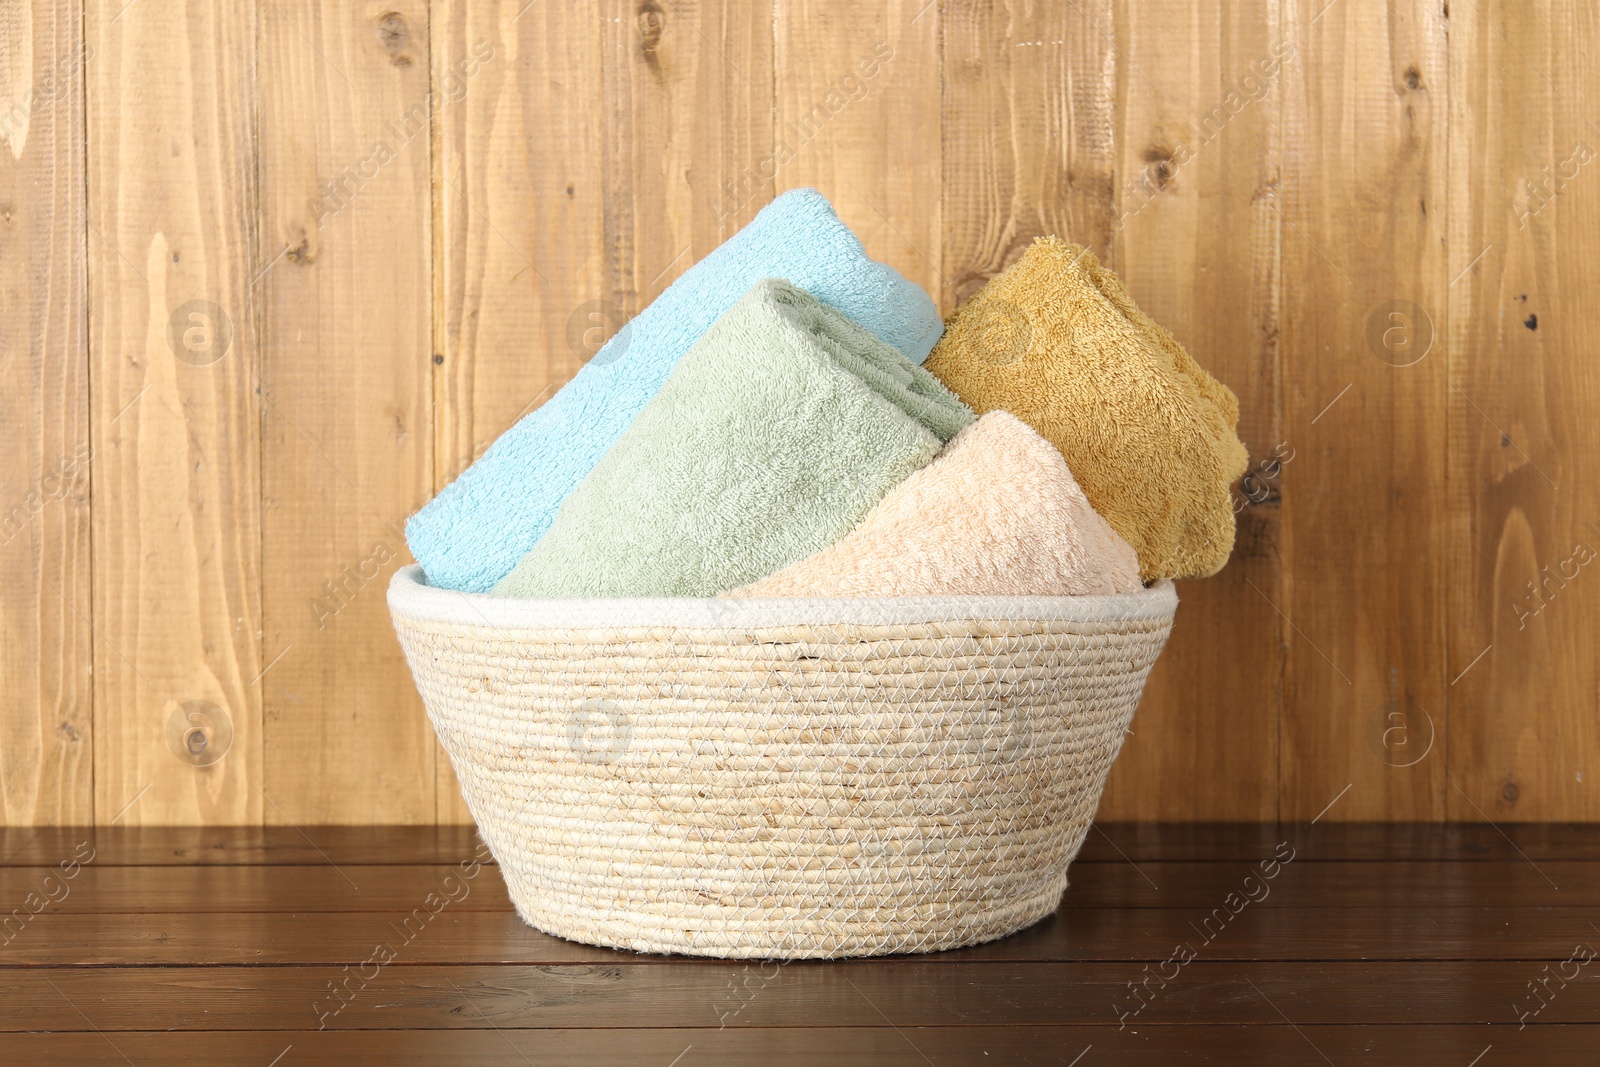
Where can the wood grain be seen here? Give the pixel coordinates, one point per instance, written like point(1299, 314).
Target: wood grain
point(910, 993)
point(1525, 513)
point(45, 650)
point(518, 202)
point(1475, 842)
point(187, 846)
point(520, 303)
point(879, 1046)
point(1197, 242)
point(1114, 843)
point(1354, 957)
point(1363, 529)
point(1193, 888)
point(280, 889)
point(1029, 133)
point(689, 87)
point(173, 339)
point(856, 114)
point(220, 547)
point(175, 938)
point(347, 454)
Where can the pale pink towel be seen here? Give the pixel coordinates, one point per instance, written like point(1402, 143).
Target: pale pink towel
point(997, 513)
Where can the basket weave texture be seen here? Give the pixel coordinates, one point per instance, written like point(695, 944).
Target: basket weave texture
point(781, 778)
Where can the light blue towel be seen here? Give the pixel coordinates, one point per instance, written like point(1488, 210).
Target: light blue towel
point(474, 532)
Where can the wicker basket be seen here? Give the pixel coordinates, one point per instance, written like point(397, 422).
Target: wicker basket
point(781, 778)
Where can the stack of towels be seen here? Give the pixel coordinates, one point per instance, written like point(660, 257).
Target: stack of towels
point(791, 419)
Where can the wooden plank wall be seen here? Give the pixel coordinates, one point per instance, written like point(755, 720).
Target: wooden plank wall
point(1524, 243)
point(345, 287)
point(174, 352)
point(273, 273)
point(1196, 192)
point(46, 736)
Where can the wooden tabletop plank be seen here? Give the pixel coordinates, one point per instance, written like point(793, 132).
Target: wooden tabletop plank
point(258, 890)
point(1274, 1044)
point(1313, 884)
point(1114, 842)
point(1197, 887)
point(862, 993)
point(1071, 935)
point(191, 846)
point(223, 930)
point(44, 846)
point(1247, 842)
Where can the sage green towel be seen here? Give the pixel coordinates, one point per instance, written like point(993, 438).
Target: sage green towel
point(777, 431)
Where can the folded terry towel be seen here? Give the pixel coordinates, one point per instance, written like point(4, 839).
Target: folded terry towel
point(475, 531)
point(1056, 340)
point(997, 513)
point(778, 431)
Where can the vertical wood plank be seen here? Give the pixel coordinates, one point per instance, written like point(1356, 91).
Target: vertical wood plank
point(857, 115)
point(1029, 133)
point(45, 645)
point(517, 203)
point(686, 134)
point(346, 119)
point(1198, 110)
point(1525, 264)
point(1364, 528)
point(172, 335)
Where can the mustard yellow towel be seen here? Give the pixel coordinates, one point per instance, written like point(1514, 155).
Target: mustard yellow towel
point(997, 513)
point(1056, 340)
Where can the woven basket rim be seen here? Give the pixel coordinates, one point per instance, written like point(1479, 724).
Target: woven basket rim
point(411, 597)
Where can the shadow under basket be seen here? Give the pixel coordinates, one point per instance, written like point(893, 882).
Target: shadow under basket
point(782, 778)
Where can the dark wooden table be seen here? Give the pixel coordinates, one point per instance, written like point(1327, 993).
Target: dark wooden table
point(1361, 944)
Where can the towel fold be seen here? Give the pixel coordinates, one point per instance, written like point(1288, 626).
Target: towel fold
point(997, 513)
point(480, 525)
point(1056, 340)
point(776, 433)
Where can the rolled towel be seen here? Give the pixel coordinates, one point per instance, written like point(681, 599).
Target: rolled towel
point(480, 525)
point(778, 431)
point(997, 513)
point(1056, 340)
